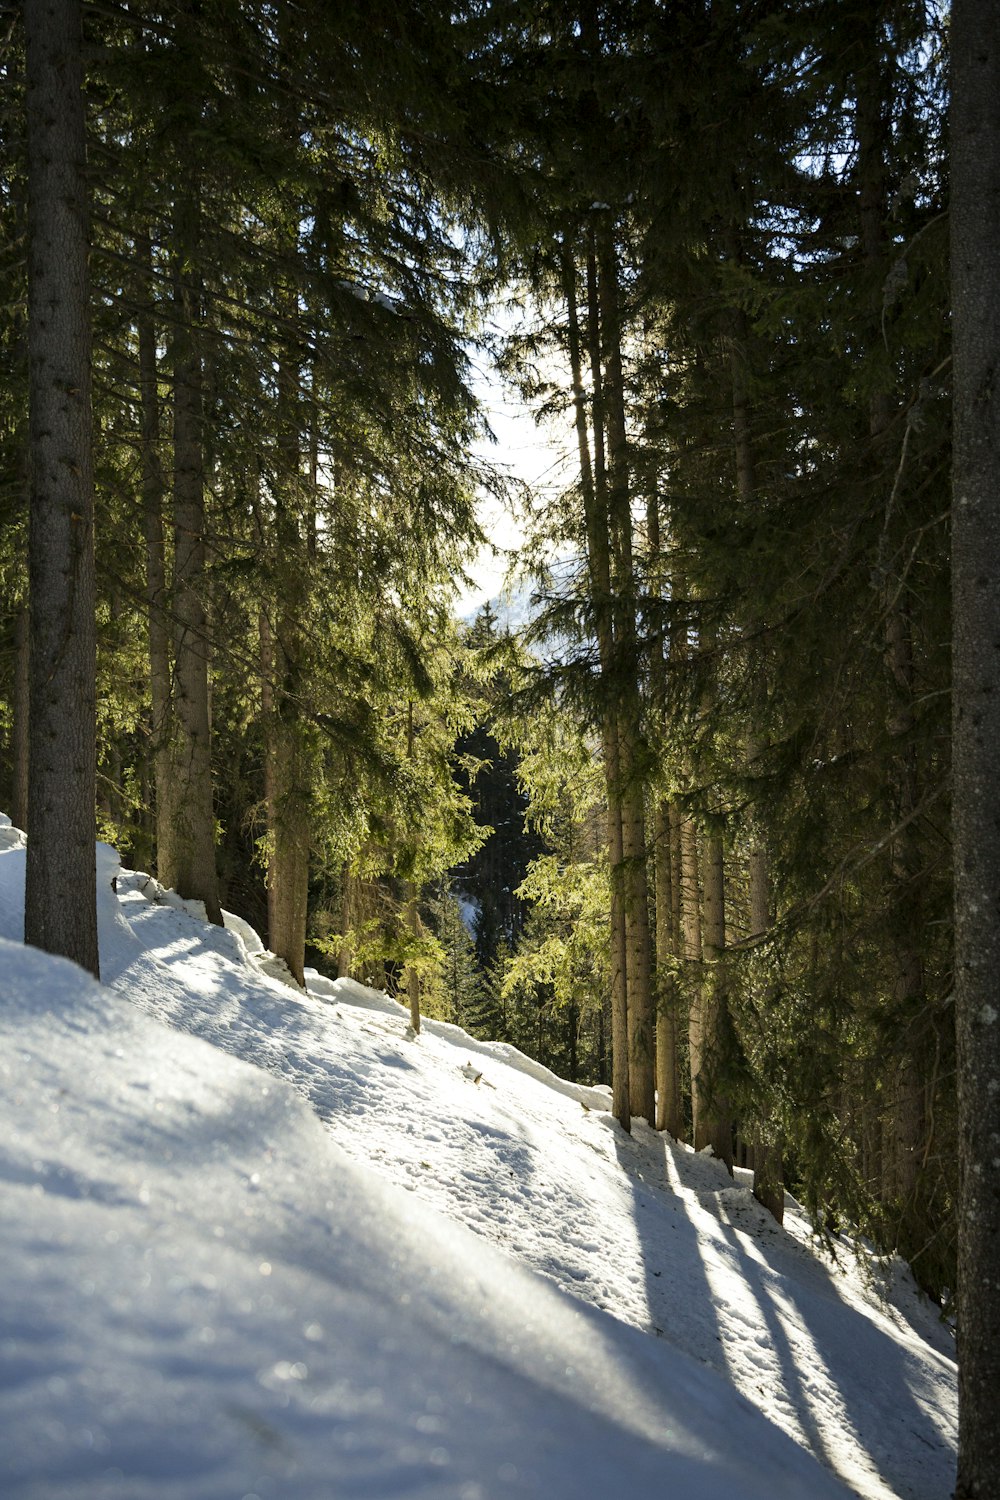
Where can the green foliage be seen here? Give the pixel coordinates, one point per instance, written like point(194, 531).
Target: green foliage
point(784, 296)
point(458, 993)
point(359, 178)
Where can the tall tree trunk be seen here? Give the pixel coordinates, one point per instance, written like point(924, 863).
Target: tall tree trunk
point(60, 885)
point(157, 599)
point(625, 686)
point(760, 889)
point(975, 260)
point(690, 890)
point(286, 733)
point(713, 1125)
point(768, 1166)
point(708, 1025)
point(187, 857)
point(289, 753)
point(593, 487)
point(768, 1169)
point(677, 927)
point(669, 1109)
point(905, 1125)
point(413, 973)
point(287, 814)
point(676, 912)
point(669, 1112)
point(289, 797)
point(412, 907)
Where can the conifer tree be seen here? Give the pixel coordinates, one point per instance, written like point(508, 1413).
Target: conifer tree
point(60, 891)
point(975, 241)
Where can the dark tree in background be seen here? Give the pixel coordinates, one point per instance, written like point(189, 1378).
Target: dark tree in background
point(60, 896)
point(975, 229)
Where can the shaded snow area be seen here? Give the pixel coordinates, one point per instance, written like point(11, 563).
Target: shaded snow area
point(261, 1243)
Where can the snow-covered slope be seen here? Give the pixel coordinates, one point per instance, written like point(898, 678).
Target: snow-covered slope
point(297, 1252)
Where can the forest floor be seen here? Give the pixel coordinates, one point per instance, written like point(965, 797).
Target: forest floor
point(261, 1244)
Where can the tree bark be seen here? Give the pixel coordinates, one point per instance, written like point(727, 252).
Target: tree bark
point(690, 892)
point(713, 1125)
point(290, 796)
point(288, 803)
point(905, 1122)
point(768, 1164)
point(413, 975)
point(625, 688)
point(287, 812)
point(599, 566)
point(60, 883)
point(708, 1027)
point(975, 259)
point(669, 1112)
point(187, 852)
point(766, 1151)
point(157, 598)
point(287, 740)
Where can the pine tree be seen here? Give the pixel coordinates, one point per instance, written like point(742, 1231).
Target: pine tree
point(460, 980)
point(975, 240)
point(60, 890)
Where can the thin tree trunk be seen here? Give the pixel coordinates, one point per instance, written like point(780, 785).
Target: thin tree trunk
point(413, 974)
point(413, 907)
point(768, 1165)
point(675, 878)
point(709, 1005)
point(714, 1125)
point(638, 943)
point(190, 843)
point(109, 787)
point(905, 1124)
point(760, 891)
point(975, 260)
point(288, 754)
point(287, 814)
point(692, 949)
point(669, 1113)
point(599, 563)
point(157, 600)
point(288, 804)
point(60, 884)
point(677, 930)
point(766, 1151)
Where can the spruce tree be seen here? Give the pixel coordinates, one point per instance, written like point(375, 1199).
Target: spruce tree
point(975, 242)
point(60, 890)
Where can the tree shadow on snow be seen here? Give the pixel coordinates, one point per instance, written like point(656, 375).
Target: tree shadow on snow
point(719, 1271)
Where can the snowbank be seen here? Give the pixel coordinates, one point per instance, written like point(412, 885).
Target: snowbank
point(259, 1242)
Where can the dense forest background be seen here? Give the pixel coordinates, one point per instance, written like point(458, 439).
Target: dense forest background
point(688, 833)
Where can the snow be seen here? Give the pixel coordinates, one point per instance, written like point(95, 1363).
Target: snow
point(261, 1242)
